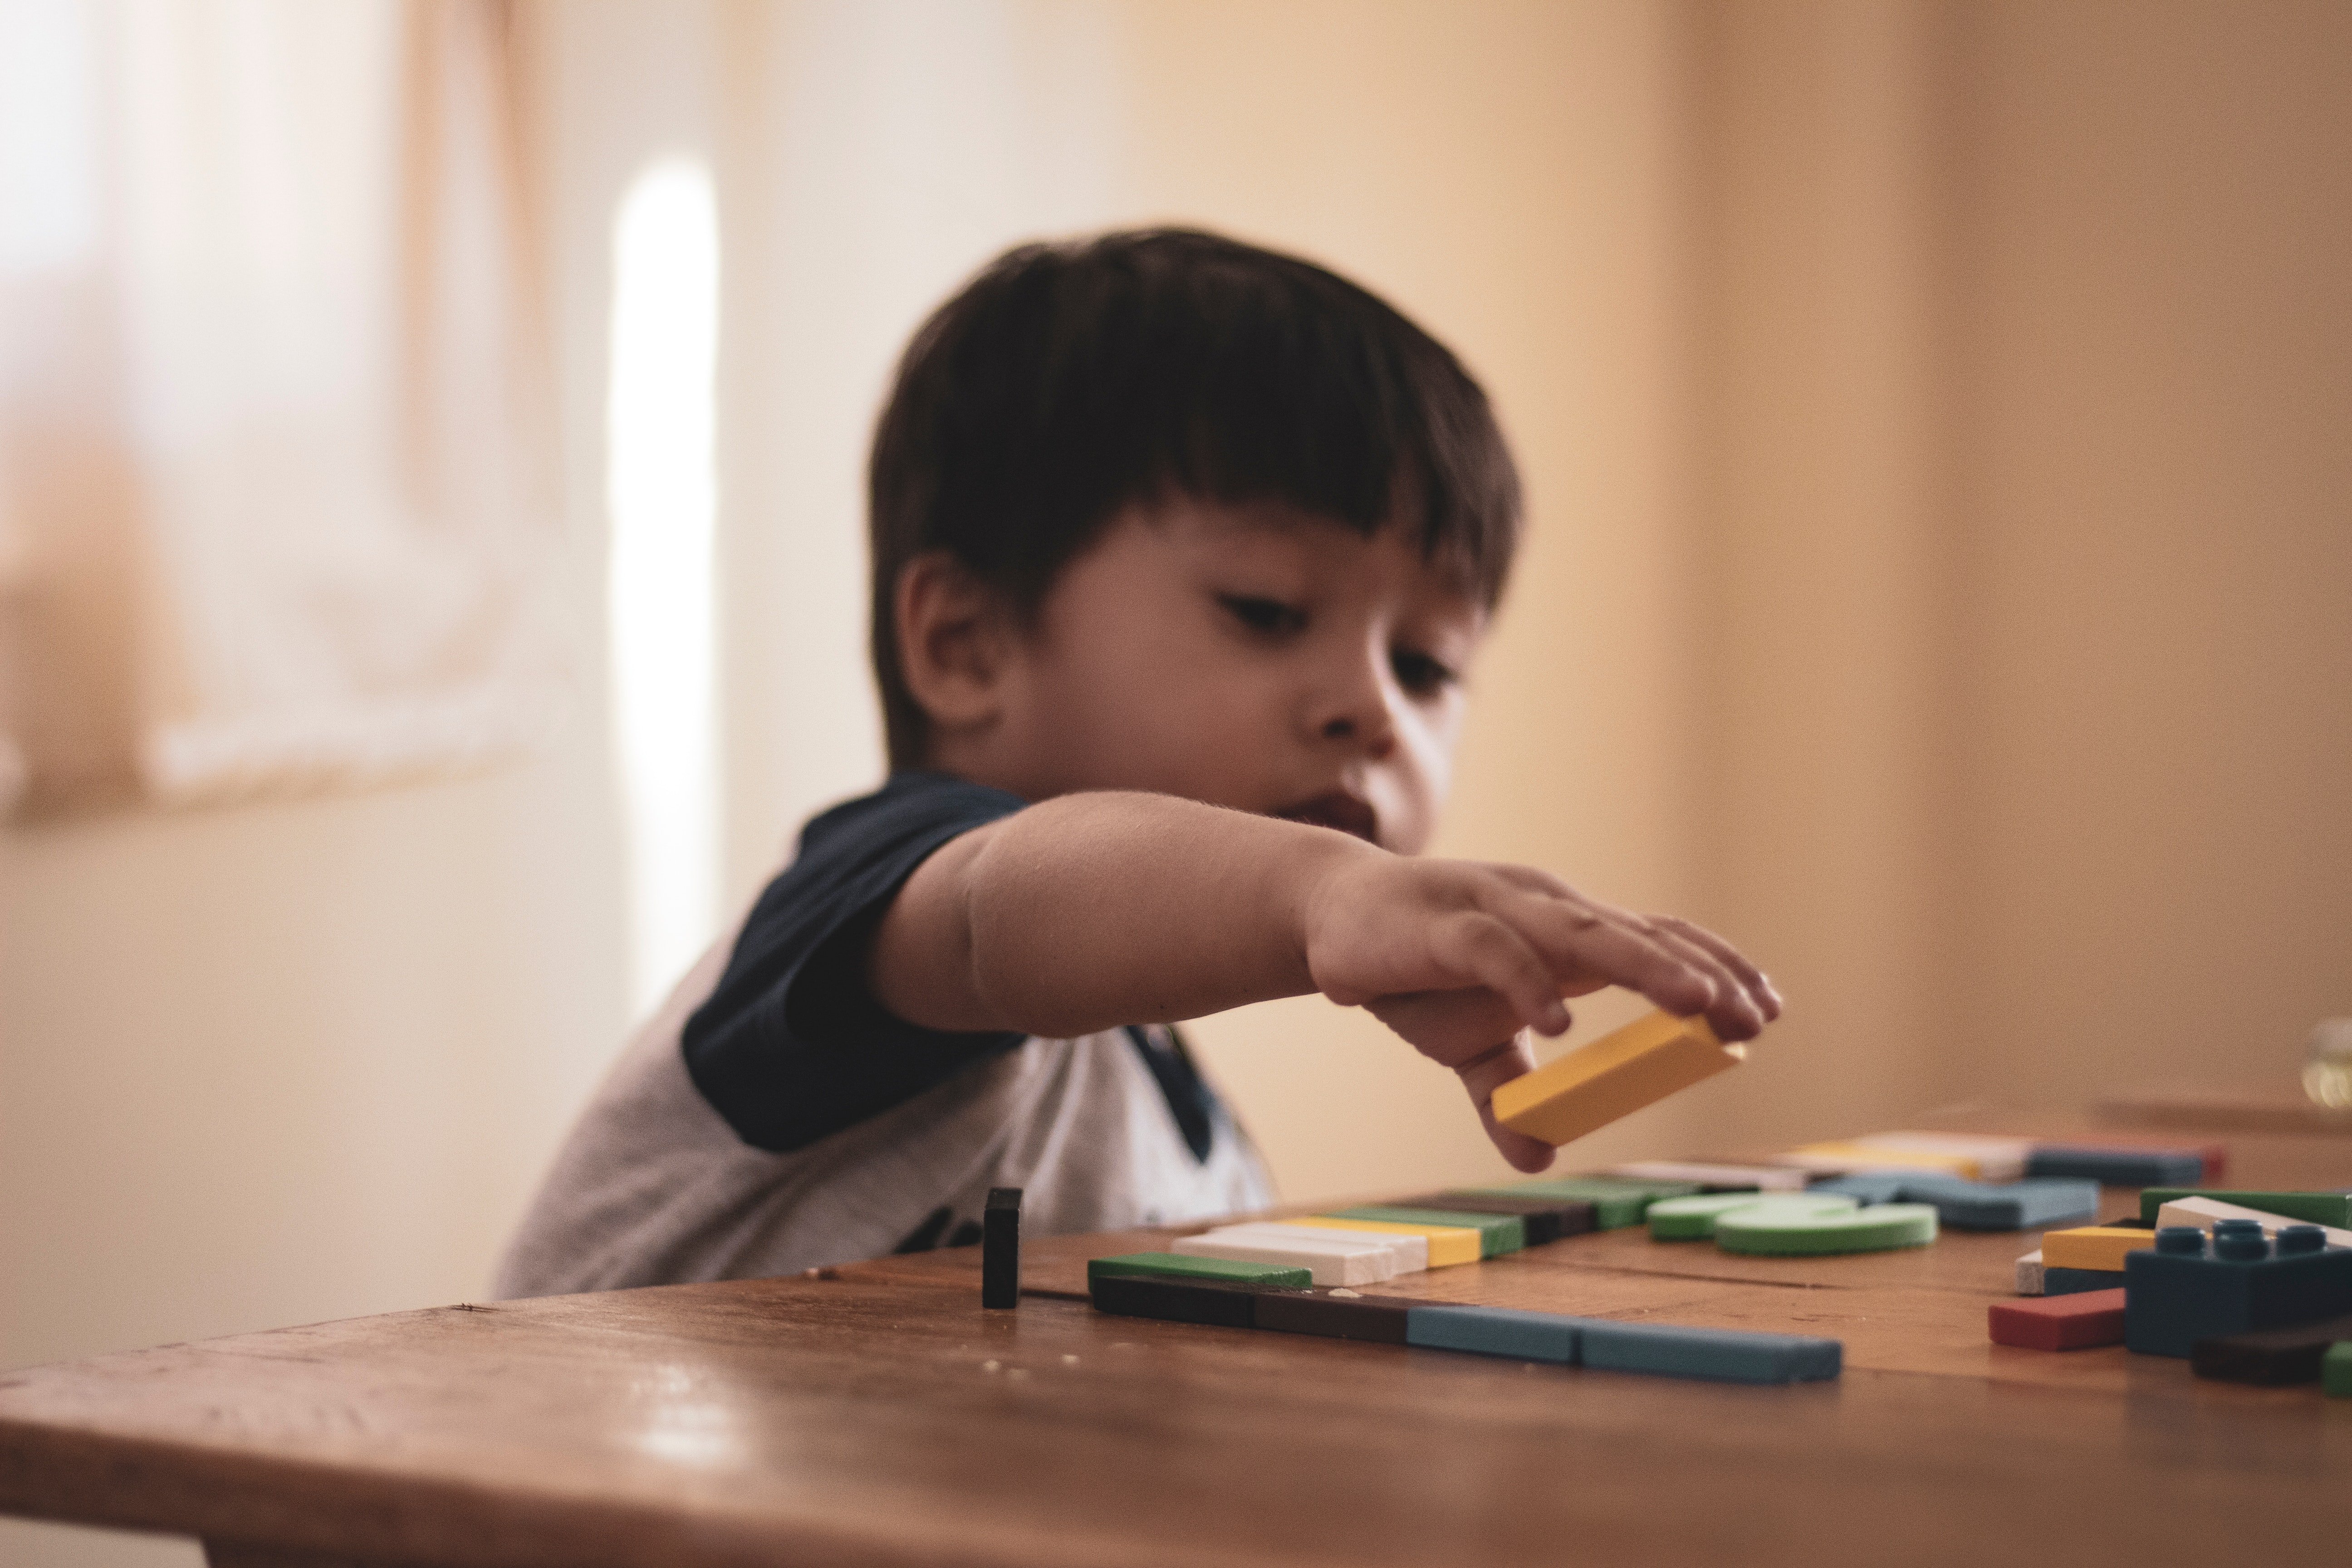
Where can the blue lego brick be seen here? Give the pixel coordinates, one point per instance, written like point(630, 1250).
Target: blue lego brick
point(2194, 1286)
point(1496, 1330)
point(2119, 1167)
point(2068, 1282)
point(1723, 1355)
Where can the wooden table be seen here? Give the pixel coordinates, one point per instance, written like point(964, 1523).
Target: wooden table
point(878, 1416)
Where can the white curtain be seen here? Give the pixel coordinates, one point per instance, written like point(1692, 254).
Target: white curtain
point(277, 502)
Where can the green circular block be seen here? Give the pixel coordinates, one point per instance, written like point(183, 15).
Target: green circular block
point(1694, 1218)
point(1878, 1228)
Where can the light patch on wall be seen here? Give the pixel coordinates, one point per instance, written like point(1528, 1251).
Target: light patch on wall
point(48, 217)
point(661, 488)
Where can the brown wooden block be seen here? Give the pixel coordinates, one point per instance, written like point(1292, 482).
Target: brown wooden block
point(2271, 1357)
point(1377, 1319)
point(1175, 1301)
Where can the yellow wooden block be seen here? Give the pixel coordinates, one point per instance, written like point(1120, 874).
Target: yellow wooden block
point(1615, 1075)
point(1835, 1158)
point(1448, 1243)
point(2096, 1247)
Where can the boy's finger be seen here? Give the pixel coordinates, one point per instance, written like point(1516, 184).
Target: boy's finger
point(1482, 1075)
point(1735, 1013)
point(1738, 1012)
point(1583, 941)
point(1754, 981)
point(1487, 951)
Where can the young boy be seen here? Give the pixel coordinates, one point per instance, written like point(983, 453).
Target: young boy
point(1181, 552)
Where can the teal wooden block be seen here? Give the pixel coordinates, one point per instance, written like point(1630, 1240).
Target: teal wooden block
point(2071, 1281)
point(1495, 1330)
point(1784, 1232)
point(1170, 1265)
point(1497, 1233)
point(1722, 1356)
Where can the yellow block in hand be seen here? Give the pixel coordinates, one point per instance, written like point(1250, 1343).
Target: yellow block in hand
point(1448, 1243)
point(2096, 1247)
point(1614, 1076)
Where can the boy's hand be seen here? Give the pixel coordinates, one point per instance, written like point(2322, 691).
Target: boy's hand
point(1458, 956)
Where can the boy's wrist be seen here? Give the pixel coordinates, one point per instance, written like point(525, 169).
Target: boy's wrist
point(1325, 861)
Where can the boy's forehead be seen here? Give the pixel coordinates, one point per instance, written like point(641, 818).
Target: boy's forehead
point(1286, 529)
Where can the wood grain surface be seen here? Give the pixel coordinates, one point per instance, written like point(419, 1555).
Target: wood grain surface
point(878, 1416)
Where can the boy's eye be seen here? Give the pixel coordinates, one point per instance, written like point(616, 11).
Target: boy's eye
point(1268, 616)
point(1419, 674)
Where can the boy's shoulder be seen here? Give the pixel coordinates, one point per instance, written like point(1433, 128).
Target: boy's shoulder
point(911, 799)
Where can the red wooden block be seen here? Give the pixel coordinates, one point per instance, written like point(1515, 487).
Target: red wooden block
point(2075, 1323)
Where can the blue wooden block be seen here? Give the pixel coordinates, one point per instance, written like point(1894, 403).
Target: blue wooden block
point(1964, 1205)
point(1724, 1355)
point(2029, 1204)
point(1870, 1187)
point(2192, 1285)
point(2068, 1282)
point(2119, 1167)
point(1495, 1330)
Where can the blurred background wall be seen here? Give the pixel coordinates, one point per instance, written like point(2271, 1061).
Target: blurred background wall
point(1941, 581)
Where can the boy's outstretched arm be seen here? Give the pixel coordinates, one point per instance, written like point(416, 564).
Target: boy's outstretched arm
point(1092, 910)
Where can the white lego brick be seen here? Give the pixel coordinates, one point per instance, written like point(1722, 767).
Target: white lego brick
point(2029, 1274)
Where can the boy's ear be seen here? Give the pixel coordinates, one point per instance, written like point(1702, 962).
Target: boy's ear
point(955, 636)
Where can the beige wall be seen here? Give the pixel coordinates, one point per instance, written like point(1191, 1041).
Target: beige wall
point(1941, 579)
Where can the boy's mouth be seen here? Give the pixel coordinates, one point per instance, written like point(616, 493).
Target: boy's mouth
point(1338, 809)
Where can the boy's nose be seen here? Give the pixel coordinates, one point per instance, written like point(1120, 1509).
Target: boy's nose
point(1366, 723)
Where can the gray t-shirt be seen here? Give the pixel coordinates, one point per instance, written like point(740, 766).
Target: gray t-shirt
point(770, 1117)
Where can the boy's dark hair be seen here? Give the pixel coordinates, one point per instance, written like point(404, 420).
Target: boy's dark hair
point(1067, 381)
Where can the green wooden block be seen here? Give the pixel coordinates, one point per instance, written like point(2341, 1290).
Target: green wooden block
point(1169, 1265)
point(1694, 1218)
point(2336, 1371)
point(2332, 1209)
point(1497, 1233)
point(1791, 1232)
point(1617, 1200)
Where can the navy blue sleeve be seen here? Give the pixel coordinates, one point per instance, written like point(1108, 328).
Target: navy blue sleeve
point(792, 1046)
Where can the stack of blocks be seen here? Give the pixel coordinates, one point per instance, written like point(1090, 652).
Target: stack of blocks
point(2248, 1294)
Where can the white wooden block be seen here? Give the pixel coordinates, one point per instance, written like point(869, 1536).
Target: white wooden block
point(1763, 1178)
point(1410, 1252)
point(1327, 1266)
point(2202, 1212)
point(2029, 1274)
